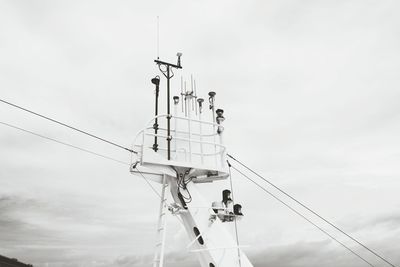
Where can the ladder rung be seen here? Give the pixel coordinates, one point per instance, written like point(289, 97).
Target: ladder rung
point(161, 228)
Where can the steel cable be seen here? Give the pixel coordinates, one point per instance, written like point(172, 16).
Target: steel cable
point(305, 218)
point(314, 212)
point(66, 125)
point(81, 149)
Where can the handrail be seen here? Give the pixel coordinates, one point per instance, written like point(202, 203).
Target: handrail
point(182, 118)
point(194, 153)
point(187, 140)
point(183, 132)
point(191, 137)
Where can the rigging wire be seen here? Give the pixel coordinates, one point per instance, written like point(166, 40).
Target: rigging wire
point(66, 125)
point(305, 218)
point(64, 143)
point(151, 186)
point(79, 148)
point(313, 212)
point(132, 151)
point(235, 220)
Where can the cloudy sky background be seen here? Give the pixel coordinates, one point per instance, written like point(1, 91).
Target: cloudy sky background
point(311, 95)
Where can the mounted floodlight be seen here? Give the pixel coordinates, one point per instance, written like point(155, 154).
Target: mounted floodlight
point(179, 58)
point(220, 115)
point(156, 80)
point(176, 100)
point(237, 209)
point(226, 196)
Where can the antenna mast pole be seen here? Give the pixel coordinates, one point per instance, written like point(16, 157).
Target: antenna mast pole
point(169, 74)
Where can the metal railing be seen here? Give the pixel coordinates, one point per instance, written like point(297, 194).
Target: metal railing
point(193, 141)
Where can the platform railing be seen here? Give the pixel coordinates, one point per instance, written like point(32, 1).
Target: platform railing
point(189, 141)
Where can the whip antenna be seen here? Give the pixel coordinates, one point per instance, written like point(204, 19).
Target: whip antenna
point(158, 37)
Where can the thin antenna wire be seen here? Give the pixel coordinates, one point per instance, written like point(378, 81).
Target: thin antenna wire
point(195, 95)
point(235, 219)
point(158, 37)
point(191, 84)
point(185, 90)
point(182, 91)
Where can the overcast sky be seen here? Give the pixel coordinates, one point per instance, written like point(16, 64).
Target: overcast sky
point(311, 92)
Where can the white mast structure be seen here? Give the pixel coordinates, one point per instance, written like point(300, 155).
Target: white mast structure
point(186, 154)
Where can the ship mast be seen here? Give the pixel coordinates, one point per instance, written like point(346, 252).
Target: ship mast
point(187, 156)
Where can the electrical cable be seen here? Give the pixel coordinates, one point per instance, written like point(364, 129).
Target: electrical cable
point(63, 143)
point(66, 125)
point(182, 184)
point(78, 148)
point(305, 218)
point(314, 212)
point(235, 220)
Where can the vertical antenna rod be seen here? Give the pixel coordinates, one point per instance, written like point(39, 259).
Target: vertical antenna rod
point(195, 95)
point(158, 37)
point(192, 90)
point(169, 74)
point(182, 92)
point(156, 82)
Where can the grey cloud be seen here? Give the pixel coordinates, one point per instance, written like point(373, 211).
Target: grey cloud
point(176, 259)
point(310, 90)
point(385, 222)
point(313, 254)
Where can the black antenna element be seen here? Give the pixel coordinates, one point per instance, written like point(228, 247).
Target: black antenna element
point(168, 73)
point(156, 82)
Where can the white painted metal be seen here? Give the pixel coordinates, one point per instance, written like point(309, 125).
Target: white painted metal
point(201, 138)
point(175, 128)
point(219, 246)
point(158, 260)
point(198, 159)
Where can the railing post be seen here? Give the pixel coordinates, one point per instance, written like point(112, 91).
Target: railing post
point(176, 102)
point(200, 101)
